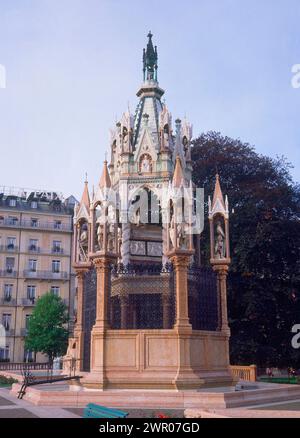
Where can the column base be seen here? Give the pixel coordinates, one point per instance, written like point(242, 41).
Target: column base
point(187, 379)
point(94, 380)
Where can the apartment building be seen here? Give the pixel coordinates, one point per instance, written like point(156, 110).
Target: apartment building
point(35, 257)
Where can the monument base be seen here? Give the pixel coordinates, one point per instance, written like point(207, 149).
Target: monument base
point(158, 359)
point(208, 398)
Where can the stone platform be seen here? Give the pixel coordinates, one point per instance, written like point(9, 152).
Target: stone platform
point(207, 398)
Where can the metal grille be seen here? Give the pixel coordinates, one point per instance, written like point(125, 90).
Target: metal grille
point(89, 314)
point(203, 298)
point(142, 297)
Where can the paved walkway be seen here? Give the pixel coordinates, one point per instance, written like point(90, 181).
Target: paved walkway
point(11, 407)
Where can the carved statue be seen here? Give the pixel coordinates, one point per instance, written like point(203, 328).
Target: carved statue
point(177, 234)
point(220, 241)
point(119, 240)
point(100, 237)
point(181, 241)
point(172, 232)
point(166, 136)
point(83, 242)
point(145, 164)
point(125, 137)
point(111, 237)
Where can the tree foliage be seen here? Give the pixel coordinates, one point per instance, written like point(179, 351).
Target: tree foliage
point(47, 331)
point(264, 279)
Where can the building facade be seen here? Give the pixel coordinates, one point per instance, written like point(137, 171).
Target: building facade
point(35, 257)
point(148, 314)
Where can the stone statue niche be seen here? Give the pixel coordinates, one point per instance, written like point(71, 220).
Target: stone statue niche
point(111, 229)
point(166, 136)
point(99, 229)
point(185, 145)
point(83, 241)
point(177, 233)
point(145, 163)
point(219, 238)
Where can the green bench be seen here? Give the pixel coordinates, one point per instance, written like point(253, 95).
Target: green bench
point(96, 411)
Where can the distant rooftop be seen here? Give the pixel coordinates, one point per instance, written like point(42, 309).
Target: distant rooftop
point(19, 198)
point(25, 193)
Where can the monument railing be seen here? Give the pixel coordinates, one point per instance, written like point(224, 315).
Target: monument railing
point(242, 372)
point(18, 366)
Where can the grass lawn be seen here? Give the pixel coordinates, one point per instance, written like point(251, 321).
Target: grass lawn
point(291, 380)
point(6, 382)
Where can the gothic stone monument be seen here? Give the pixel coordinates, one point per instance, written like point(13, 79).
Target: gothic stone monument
point(148, 314)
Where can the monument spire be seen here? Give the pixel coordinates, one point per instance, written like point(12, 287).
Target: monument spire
point(85, 199)
point(178, 176)
point(105, 181)
point(150, 60)
point(218, 195)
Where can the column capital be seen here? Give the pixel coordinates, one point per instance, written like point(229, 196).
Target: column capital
point(180, 257)
point(81, 268)
point(221, 268)
point(102, 263)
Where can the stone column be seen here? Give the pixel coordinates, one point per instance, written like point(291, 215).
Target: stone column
point(185, 377)
point(79, 328)
point(102, 266)
point(222, 271)
point(180, 263)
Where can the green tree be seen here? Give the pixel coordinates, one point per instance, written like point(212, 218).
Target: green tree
point(264, 279)
point(47, 331)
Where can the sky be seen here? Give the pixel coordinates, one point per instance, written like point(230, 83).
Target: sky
point(73, 67)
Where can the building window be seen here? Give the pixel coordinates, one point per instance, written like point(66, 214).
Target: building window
point(34, 222)
point(34, 204)
point(31, 292)
point(11, 243)
point(55, 290)
point(12, 202)
point(32, 265)
point(57, 246)
point(57, 225)
point(28, 356)
point(6, 321)
point(4, 354)
point(33, 244)
point(8, 289)
point(27, 318)
point(10, 264)
point(12, 220)
point(55, 266)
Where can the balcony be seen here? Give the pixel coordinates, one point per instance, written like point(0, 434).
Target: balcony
point(33, 249)
point(24, 331)
point(8, 272)
point(7, 301)
point(9, 248)
point(9, 332)
point(46, 275)
point(57, 250)
point(28, 302)
point(25, 223)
